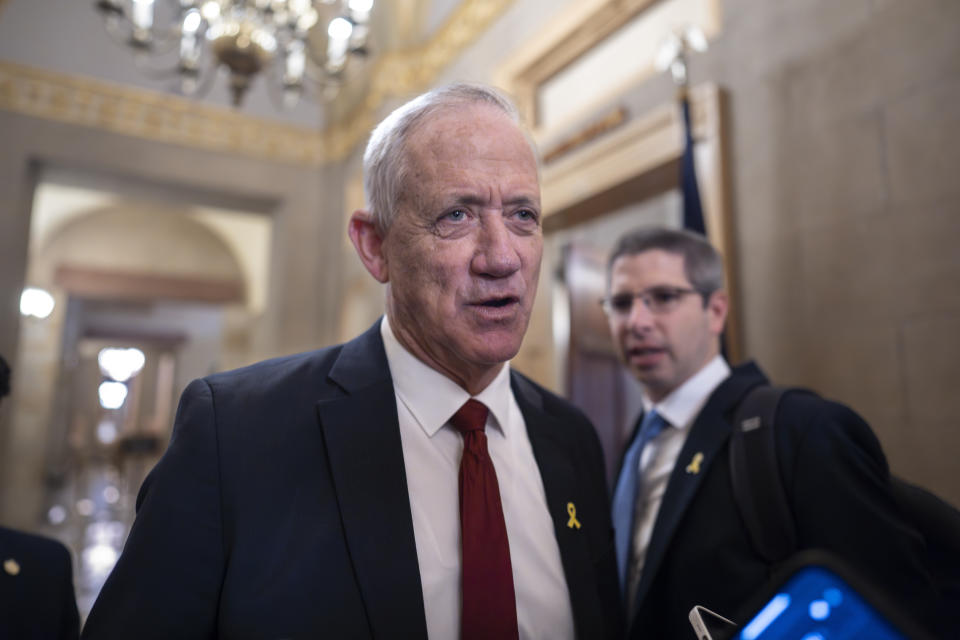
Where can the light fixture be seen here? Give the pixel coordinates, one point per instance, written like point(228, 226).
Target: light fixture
point(112, 394)
point(36, 302)
point(98, 559)
point(120, 364)
point(303, 44)
point(107, 431)
point(111, 494)
point(57, 514)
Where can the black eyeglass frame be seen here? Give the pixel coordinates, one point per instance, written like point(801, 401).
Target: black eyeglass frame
point(674, 294)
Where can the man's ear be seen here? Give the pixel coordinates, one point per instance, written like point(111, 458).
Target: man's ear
point(717, 306)
point(369, 244)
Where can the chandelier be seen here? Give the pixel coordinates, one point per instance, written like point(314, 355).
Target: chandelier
point(301, 45)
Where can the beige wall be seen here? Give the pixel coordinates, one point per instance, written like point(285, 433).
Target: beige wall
point(845, 148)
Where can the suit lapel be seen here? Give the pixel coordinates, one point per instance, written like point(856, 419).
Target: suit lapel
point(365, 456)
point(551, 449)
point(708, 433)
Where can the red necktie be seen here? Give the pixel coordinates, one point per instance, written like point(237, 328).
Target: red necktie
point(489, 605)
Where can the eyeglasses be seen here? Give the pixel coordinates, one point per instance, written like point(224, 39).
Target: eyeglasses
point(660, 299)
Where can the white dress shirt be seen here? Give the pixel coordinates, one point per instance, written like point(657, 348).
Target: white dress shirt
point(432, 447)
point(680, 408)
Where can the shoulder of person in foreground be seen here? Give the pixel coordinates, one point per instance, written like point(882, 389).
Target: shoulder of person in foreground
point(38, 595)
point(168, 578)
point(574, 427)
point(838, 480)
point(553, 405)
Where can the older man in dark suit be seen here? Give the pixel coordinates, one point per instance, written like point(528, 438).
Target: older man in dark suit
point(406, 484)
point(680, 539)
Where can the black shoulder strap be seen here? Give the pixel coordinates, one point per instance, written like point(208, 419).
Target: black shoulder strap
point(755, 474)
point(939, 524)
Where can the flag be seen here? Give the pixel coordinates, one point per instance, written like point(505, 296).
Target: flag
point(692, 209)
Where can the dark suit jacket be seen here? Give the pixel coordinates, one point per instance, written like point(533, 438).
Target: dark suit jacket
point(36, 588)
point(280, 510)
point(836, 479)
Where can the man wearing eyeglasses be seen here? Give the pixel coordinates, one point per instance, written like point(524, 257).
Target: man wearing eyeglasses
point(680, 540)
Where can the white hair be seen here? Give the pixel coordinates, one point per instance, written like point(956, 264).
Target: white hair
point(385, 158)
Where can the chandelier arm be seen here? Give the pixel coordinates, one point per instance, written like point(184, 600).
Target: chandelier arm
point(272, 92)
point(241, 37)
point(147, 68)
point(160, 44)
point(117, 33)
point(206, 80)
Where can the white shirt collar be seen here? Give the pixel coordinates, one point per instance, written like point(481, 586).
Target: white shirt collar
point(682, 405)
point(432, 397)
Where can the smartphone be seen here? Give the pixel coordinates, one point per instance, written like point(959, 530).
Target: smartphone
point(817, 597)
point(709, 625)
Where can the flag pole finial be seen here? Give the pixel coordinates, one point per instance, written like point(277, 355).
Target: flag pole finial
point(674, 54)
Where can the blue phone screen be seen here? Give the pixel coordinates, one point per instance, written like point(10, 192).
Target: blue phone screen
point(817, 604)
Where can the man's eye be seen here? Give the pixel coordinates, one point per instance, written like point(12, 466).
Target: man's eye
point(459, 214)
point(622, 302)
point(663, 296)
point(526, 214)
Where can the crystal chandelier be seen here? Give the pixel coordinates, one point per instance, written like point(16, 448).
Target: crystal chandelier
point(302, 45)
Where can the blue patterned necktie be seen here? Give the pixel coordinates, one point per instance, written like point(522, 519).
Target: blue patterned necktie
point(625, 496)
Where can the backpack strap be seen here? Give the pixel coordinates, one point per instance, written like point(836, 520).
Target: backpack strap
point(755, 474)
point(939, 524)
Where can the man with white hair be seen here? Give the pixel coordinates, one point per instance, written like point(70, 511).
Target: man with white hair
point(408, 483)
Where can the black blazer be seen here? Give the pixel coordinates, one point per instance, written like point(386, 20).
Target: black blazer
point(280, 509)
point(36, 588)
point(836, 478)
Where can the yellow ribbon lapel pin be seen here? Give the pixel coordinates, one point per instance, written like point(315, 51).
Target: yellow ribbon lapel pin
point(694, 466)
point(11, 566)
point(572, 523)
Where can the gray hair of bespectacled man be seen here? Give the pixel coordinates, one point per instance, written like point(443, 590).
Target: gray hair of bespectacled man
point(385, 166)
point(702, 263)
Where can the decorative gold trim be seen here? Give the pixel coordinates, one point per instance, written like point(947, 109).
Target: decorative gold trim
point(164, 118)
point(568, 37)
point(109, 284)
point(608, 122)
point(151, 115)
point(572, 34)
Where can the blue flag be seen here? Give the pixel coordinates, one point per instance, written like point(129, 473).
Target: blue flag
point(692, 209)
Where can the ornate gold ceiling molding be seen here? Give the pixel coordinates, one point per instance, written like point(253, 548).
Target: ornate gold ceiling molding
point(151, 115)
point(161, 117)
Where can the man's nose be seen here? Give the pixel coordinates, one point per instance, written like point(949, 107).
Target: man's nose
point(640, 318)
point(496, 254)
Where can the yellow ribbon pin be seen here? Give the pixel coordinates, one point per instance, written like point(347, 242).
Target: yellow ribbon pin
point(573, 523)
point(694, 466)
point(12, 567)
